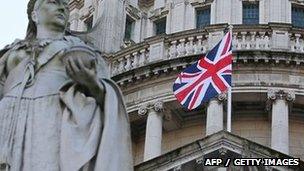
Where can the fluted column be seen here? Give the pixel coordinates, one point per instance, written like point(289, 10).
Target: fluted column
point(215, 113)
point(153, 130)
point(279, 125)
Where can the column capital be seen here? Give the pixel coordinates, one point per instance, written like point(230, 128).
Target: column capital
point(274, 94)
point(157, 106)
point(142, 110)
point(220, 98)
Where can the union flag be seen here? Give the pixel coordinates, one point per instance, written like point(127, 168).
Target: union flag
point(207, 78)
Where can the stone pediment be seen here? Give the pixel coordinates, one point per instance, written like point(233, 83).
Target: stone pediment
point(220, 145)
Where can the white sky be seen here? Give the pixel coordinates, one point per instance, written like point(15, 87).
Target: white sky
point(13, 21)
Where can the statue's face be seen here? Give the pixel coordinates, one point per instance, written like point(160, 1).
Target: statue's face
point(52, 14)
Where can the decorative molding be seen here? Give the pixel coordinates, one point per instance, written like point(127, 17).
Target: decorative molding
point(251, 44)
point(298, 2)
point(222, 97)
point(274, 94)
point(200, 3)
point(133, 12)
point(142, 111)
point(157, 106)
point(158, 14)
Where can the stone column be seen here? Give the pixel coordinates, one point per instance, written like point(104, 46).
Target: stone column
point(153, 130)
point(279, 123)
point(215, 114)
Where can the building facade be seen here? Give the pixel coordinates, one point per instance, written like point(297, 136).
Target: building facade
point(148, 42)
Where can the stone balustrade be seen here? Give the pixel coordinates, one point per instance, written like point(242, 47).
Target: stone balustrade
point(192, 42)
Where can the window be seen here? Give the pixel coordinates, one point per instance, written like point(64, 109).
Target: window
point(202, 17)
point(250, 12)
point(89, 23)
point(129, 28)
point(298, 16)
point(160, 26)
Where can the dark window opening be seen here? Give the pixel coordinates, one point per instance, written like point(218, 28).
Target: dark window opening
point(129, 28)
point(251, 13)
point(160, 26)
point(298, 16)
point(202, 18)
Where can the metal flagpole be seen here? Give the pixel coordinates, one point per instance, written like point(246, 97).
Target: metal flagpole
point(229, 100)
point(229, 110)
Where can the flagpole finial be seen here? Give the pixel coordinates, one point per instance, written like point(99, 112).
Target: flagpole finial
point(230, 27)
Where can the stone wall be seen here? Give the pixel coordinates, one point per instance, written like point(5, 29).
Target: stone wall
point(296, 139)
point(256, 128)
point(138, 150)
point(181, 137)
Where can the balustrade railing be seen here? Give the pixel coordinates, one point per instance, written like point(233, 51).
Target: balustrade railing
point(193, 42)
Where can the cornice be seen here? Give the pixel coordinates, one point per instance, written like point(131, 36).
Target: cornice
point(158, 13)
point(133, 12)
point(297, 2)
point(201, 3)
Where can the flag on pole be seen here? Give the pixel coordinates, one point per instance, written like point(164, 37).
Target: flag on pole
point(207, 78)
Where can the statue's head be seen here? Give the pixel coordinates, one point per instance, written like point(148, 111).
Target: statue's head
point(50, 14)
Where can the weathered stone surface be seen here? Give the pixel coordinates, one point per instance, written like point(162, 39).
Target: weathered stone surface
point(59, 109)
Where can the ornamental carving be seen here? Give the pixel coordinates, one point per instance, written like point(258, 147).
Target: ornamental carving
point(142, 110)
point(157, 106)
point(274, 94)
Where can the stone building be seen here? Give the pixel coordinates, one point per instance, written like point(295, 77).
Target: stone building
point(148, 42)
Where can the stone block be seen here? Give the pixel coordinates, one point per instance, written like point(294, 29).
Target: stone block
point(280, 40)
point(156, 52)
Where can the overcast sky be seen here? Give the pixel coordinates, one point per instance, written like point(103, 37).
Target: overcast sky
point(13, 20)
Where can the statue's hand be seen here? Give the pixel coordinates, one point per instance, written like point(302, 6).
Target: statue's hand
point(79, 70)
point(84, 73)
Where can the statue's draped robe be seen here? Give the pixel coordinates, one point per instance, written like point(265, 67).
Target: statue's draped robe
point(48, 123)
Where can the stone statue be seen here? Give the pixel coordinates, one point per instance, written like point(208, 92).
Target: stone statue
point(59, 109)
